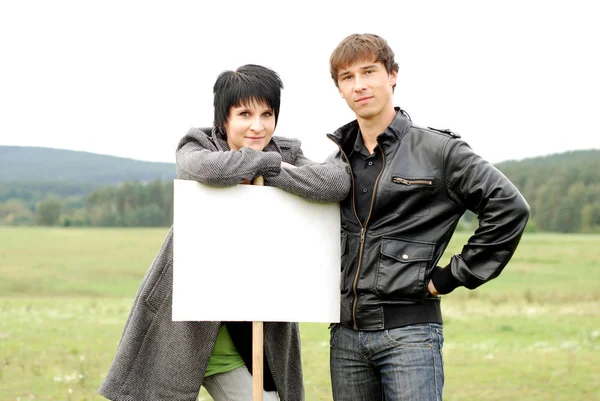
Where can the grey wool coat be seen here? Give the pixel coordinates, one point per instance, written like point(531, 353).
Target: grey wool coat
point(158, 359)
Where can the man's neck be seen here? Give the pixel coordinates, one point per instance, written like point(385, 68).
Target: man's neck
point(371, 128)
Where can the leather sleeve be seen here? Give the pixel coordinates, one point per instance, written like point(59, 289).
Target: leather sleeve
point(477, 185)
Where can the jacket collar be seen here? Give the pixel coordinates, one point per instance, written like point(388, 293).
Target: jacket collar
point(345, 136)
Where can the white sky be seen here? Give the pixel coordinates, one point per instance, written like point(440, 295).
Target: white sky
point(515, 78)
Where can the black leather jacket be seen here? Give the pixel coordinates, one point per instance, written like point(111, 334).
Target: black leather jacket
point(429, 178)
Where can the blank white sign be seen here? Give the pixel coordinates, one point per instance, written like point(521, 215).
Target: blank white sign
point(253, 253)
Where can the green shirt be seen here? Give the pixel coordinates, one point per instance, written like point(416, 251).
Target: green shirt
point(225, 356)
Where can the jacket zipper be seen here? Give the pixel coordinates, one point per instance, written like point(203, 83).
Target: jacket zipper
point(363, 232)
point(404, 181)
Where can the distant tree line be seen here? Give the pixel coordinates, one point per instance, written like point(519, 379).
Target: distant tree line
point(132, 204)
point(563, 191)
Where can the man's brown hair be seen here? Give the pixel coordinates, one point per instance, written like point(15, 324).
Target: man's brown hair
point(359, 47)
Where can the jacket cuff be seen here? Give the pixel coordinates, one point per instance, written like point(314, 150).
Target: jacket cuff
point(443, 280)
point(273, 164)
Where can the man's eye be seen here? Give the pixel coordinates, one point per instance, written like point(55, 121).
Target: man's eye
point(346, 77)
point(368, 72)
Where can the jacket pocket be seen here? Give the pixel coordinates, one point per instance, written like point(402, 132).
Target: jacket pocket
point(402, 268)
point(345, 280)
point(427, 182)
point(343, 250)
point(413, 195)
point(158, 285)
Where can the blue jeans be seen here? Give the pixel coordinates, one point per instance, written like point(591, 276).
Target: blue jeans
point(401, 364)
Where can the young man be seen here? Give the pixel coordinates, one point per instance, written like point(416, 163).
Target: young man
point(410, 187)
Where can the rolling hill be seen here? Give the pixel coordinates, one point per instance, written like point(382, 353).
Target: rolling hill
point(37, 164)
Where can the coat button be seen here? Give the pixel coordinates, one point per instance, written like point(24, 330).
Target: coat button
point(405, 256)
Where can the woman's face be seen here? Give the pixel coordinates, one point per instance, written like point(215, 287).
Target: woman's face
point(250, 125)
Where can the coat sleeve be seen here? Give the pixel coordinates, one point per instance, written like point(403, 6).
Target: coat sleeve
point(503, 212)
point(328, 181)
point(199, 160)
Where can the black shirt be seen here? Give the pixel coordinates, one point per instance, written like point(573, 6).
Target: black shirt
point(365, 169)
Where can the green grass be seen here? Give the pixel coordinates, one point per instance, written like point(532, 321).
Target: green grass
point(533, 333)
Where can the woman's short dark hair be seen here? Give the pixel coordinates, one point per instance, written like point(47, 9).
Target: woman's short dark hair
point(248, 83)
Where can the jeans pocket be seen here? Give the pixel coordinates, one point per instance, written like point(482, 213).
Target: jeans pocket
point(412, 336)
point(439, 332)
point(333, 331)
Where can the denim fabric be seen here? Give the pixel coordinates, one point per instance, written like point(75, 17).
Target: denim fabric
point(400, 364)
point(235, 385)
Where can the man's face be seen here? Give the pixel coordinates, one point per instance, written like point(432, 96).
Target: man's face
point(367, 88)
point(251, 125)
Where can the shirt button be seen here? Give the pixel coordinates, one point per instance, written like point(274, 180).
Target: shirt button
point(370, 163)
point(365, 190)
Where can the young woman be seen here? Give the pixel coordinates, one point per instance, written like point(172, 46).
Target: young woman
point(158, 359)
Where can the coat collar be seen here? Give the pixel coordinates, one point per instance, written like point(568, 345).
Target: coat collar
point(345, 136)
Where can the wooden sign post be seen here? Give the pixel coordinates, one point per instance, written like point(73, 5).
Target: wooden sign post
point(257, 342)
point(257, 361)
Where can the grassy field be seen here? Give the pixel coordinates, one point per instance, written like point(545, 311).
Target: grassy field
point(531, 334)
